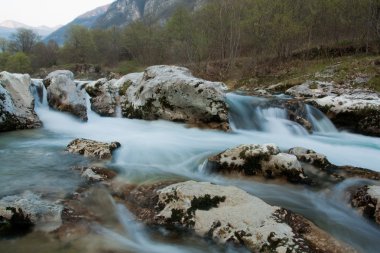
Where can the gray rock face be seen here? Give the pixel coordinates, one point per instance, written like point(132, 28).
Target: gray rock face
point(64, 95)
point(259, 160)
point(367, 200)
point(124, 12)
point(230, 215)
point(16, 103)
point(92, 149)
point(103, 97)
point(44, 214)
point(355, 109)
point(172, 93)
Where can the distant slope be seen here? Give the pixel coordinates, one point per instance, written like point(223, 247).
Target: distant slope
point(8, 27)
point(87, 19)
point(124, 12)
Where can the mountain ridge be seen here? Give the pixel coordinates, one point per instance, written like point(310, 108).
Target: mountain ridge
point(8, 27)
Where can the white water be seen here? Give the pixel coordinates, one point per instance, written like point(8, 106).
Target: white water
point(161, 149)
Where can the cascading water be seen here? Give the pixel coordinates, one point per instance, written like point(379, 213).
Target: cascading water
point(167, 150)
point(253, 113)
point(320, 122)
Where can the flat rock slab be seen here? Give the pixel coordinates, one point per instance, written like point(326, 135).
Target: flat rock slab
point(230, 215)
point(92, 149)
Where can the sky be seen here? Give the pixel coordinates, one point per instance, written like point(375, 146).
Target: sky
point(46, 12)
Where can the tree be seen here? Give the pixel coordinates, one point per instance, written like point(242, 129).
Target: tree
point(19, 63)
point(3, 45)
point(79, 46)
point(44, 55)
point(23, 40)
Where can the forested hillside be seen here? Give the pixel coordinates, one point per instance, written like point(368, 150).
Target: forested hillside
point(219, 34)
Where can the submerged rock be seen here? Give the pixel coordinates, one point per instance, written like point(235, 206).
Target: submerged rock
point(324, 166)
point(310, 156)
point(92, 149)
point(64, 95)
point(172, 93)
point(29, 209)
point(367, 200)
point(96, 174)
point(259, 160)
point(16, 103)
point(228, 215)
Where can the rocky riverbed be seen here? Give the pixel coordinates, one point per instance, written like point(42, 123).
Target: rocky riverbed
point(176, 163)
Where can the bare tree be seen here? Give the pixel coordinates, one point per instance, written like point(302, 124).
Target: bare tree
point(23, 40)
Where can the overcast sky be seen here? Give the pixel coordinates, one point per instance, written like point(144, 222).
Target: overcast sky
point(46, 12)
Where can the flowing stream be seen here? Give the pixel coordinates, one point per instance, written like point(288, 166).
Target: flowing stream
point(35, 160)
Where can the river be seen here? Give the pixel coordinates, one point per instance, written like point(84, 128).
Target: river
point(35, 160)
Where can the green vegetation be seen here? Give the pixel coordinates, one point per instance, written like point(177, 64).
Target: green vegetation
point(246, 40)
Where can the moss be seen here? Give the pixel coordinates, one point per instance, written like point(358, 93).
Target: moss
point(205, 203)
point(314, 86)
point(165, 103)
point(374, 83)
point(177, 215)
point(123, 89)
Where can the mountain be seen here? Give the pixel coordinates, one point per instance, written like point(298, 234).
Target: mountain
point(124, 12)
point(8, 27)
point(87, 19)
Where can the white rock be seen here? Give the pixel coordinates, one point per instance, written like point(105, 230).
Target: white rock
point(16, 102)
point(64, 95)
point(172, 93)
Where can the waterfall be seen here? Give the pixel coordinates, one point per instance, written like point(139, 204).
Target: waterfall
point(261, 114)
point(39, 93)
point(253, 113)
point(320, 122)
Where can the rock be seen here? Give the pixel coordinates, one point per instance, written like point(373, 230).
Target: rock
point(310, 156)
point(16, 103)
point(96, 174)
point(103, 97)
point(258, 160)
point(323, 165)
point(367, 200)
point(230, 215)
point(311, 89)
point(47, 81)
point(64, 95)
point(31, 209)
point(358, 111)
point(172, 93)
point(92, 149)
point(355, 109)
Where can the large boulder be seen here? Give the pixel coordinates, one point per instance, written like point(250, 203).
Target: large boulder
point(64, 95)
point(103, 97)
point(358, 111)
point(355, 109)
point(16, 103)
point(228, 215)
point(172, 93)
point(366, 200)
point(92, 149)
point(21, 212)
point(258, 160)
